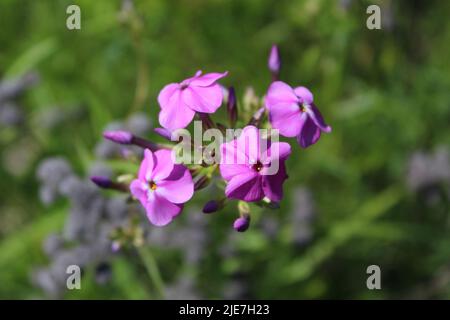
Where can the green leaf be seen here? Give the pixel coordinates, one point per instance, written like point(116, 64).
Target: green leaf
point(32, 57)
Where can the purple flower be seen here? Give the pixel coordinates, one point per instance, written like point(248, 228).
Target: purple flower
point(126, 137)
point(162, 186)
point(180, 101)
point(254, 167)
point(294, 114)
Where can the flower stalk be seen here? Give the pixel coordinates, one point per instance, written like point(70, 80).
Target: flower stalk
point(152, 270)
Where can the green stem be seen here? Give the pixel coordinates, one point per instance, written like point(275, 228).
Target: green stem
point(136, 27)
point(152, 270)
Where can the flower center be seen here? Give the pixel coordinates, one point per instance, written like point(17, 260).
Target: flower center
point(257, 166)
point(184, 85)
point(152, 185)
point(302, 107)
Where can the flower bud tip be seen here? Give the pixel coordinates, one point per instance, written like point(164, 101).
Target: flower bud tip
point(119, 136)
point(241, 224)
point(211, 206)
point(102, 182)
point(274, 62)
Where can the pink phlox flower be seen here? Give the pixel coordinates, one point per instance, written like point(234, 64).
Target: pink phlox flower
point(180, 101)
point(162, 186)
point(253, 166)
point(294, 114)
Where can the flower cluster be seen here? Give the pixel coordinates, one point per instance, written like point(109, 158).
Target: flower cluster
point(251, 161)
point(100, 228)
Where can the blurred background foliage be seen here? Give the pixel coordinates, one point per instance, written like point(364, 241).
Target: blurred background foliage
point(355, 199)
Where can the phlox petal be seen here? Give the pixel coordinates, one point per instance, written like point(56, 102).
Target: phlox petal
point(178, 187)
point(161, 211)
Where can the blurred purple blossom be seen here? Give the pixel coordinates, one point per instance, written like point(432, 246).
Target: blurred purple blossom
point(302, 216)
point(428, 169)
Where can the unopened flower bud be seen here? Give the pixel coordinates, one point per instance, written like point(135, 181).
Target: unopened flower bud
point(232, 107)
point(119, 136)
point(274, 62)
point(213, 206)
point(102, 182)
point(126, 137)
point(106, 183)
point(241, 224)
